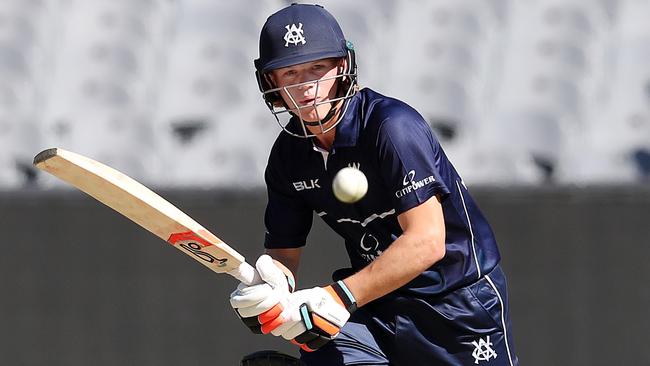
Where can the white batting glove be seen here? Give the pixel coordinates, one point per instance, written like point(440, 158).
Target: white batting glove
point(315, 316)
point(258, 304)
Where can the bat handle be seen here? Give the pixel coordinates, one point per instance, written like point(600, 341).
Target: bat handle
point(246, 274)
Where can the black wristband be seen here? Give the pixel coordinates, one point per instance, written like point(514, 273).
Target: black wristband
point(345, 295)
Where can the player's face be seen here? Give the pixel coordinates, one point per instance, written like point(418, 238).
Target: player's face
point(306, 85)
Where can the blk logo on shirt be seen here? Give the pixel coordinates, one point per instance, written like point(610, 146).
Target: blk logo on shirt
point(303, 185)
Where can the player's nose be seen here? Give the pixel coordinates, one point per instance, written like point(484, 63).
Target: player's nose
point(306, 84)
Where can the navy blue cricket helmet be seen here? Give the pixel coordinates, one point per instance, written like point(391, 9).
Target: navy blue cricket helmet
point(297, 34)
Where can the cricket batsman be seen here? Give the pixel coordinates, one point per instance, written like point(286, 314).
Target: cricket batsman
point(425, 286)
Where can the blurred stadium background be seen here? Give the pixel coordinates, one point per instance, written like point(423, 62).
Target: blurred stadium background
point(543, 105)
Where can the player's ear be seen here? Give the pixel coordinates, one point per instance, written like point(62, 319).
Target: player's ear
point(276, 100)
point(270, 79)
point(342, 65)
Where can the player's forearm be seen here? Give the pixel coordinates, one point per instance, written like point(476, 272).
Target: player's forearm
point(405, 259)
point(289, 257)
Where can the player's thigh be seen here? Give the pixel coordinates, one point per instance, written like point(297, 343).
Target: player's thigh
point(492, 294)
point(358, 343)
point(467, 327)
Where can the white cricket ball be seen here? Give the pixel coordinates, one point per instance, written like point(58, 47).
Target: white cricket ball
point(350, 185)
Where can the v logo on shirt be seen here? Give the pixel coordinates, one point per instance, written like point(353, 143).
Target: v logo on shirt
point(355, 165)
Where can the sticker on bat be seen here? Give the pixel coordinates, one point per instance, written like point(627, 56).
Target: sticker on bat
point(194, 245)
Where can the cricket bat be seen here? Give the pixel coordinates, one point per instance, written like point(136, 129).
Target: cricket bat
point(147, 209)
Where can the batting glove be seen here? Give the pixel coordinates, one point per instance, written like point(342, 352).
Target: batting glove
point(258, 304)
point(315, 316)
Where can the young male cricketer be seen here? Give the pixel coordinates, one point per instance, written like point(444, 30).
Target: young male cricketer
point(425, 287)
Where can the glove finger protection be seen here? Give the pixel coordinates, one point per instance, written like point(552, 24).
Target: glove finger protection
point(257, 304)
point(315, 316)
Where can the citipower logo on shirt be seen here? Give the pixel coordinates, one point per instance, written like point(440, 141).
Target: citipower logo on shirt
point(411, 185)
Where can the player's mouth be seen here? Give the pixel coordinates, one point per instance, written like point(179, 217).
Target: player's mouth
point(307, 101)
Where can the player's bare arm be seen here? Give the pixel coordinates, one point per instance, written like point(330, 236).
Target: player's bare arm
point(289, 257)
point(420, 246)
point(328, 308)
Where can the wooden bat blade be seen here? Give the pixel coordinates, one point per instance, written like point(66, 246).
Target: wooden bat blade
point(146, 208)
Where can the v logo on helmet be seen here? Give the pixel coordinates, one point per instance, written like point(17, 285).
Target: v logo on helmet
point(294, 35)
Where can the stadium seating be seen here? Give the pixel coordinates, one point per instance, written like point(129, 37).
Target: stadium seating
point(519, 92)
point(553, 66)
point(617, 136)
point(23, 51)
point(106, 72)
point(210, 107)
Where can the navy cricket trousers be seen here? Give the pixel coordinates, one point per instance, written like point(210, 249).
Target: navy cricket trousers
point(469, 326)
